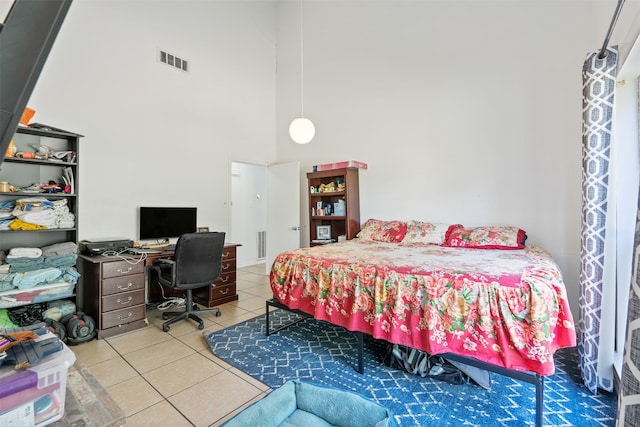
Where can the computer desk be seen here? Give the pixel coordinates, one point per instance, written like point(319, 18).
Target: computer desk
point(114, 290)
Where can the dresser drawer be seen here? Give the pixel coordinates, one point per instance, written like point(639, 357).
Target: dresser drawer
point(122, 284)
point(218, 292)
point(121, 268)
point(122, 316)
point(229, 253)
point(122, 300)
point(226, 278)
point(228, 265)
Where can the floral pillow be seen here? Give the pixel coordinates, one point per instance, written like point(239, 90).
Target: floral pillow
point(383, 231)
point(425, 233)
point(486, 237)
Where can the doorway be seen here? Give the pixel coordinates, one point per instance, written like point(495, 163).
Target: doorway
point(248, 212)
point(264, 211)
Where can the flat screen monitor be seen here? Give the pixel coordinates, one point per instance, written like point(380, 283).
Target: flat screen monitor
point(164, 223)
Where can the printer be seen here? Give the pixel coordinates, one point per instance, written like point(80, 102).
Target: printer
point(100, 246)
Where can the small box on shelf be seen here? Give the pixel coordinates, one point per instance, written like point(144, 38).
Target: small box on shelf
point(345, 164)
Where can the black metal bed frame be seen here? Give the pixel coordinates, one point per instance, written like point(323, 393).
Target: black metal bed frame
point(535, 379)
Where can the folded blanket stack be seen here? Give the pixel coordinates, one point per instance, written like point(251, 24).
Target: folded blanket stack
point(63, 218)
point(60, 255)
point(29, 279)
point(24, 253)
point(23, 264)
point(58, 249)
point(32, 266)
point(46, 218)
point(36, 213)
point(25, 259)
point(61, 261)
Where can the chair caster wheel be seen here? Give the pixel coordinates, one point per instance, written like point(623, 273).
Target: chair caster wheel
point(218, 313)
point(201, 326)
point(165, 328)
point(164, 316)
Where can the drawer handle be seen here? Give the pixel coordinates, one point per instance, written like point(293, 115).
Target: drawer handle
point(121, 271)
point(128, 286)
point(225, 254)
point(224, 279)
point(225, 291)
point(129, 299)
point(125, 317)
point(226, 266)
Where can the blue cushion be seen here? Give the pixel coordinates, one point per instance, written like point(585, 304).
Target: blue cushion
point(304, 418)
point(303, 404)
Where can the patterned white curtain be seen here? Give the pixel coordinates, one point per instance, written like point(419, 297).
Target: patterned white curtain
point(597, 255)
point(629, 394)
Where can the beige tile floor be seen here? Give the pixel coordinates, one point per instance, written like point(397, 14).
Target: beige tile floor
point(173, 379)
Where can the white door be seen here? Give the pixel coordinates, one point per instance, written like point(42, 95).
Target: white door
point(283, 209)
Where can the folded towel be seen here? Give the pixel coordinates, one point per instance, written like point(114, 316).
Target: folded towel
point(25, 253)
point(58, 249)
point(45, 217)
point(18, 224)
point(30, 203)
point(31, 278)
point(21, 265)
point(61, 261)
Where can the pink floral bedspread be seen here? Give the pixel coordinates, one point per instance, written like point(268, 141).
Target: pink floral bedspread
point(505, 307)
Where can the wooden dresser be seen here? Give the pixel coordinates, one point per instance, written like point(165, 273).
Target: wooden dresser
point(112, 293)
point(114, 290)
point(222, 290)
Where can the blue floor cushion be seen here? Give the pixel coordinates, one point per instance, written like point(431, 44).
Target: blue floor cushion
point(306, 405)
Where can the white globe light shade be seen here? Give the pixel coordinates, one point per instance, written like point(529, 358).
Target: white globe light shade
point(302, 130)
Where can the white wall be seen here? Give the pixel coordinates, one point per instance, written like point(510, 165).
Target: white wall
point(465, 112)
point(154, 135)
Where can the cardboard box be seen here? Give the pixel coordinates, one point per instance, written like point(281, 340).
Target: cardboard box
point(340, 165)
point(43, 403)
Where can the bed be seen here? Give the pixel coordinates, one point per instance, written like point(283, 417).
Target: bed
point(479, 296)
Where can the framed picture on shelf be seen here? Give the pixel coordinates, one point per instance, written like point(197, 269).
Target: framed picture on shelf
point(323, 232)
point(202, 230)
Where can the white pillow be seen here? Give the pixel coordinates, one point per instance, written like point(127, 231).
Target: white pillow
point(425, 233)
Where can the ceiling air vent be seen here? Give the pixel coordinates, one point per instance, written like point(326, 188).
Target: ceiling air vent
point(174, 61)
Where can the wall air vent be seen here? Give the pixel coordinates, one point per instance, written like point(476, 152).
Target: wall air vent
point(262, 244)
point(174, 61)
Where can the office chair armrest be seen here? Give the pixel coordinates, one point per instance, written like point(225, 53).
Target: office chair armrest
point(165, 265)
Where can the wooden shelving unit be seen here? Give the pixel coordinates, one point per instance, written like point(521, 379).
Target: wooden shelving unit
point(346, 223)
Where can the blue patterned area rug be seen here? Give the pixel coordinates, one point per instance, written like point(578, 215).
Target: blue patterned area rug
point(322, 353)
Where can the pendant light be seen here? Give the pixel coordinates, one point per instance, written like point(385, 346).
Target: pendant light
point(302, 129)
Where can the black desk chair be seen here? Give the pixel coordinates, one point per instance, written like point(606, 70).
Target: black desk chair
point(197, 263)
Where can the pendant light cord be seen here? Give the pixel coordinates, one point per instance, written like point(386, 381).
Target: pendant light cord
point(301, 62)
